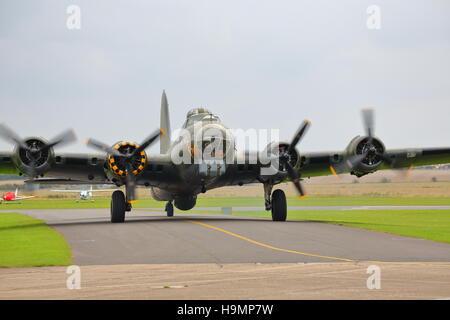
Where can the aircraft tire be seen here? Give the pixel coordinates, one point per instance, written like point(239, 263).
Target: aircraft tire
point(118, 207)
point(279, 206)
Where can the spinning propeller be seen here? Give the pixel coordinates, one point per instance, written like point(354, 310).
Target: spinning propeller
point(370, 151)
point(126, 157)
point(36, 150)
point(285, 157)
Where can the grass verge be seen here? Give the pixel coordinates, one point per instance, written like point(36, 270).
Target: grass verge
point(29, 242)
point(101, 203)
point(424, 224)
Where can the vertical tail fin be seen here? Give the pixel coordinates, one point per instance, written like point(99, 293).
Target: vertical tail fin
point(17, 192)
point(164, 141)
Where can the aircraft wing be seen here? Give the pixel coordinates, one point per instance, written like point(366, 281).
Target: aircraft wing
point(161, 172)
point(327, 163)
point(314, 164)
point(81, 168)
point(23, 198)
point(89, 169)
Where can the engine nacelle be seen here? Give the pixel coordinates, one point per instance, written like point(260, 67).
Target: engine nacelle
point(274, 149)
point(33, 161)
point(118, 165)
point(160, 194)
point(373, 147)
point(185, 203)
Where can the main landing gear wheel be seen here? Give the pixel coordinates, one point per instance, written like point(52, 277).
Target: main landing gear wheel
point(279, 206)
point(118, 207)
point(169, 209)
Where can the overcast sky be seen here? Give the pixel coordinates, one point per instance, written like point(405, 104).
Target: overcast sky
point(257, 64)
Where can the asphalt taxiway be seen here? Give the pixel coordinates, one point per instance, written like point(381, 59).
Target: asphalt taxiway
point(211, 256)
point(149, 237)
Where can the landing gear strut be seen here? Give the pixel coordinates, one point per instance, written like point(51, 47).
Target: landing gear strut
point(118, 207)
point(169, 208)
point(267, 192)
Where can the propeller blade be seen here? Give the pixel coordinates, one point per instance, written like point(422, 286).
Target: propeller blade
point(150, 140)
point(102, 147)
point(300, 189)
point(352, 162)
point(130, 180)
point(293, 174)
point(405, 173)
point(299, 135)
point(65, 137)
point(32, 173)
point(368, 115)
point(130, 183)
point(386, 159)
point(295, 177)
point(9, 135)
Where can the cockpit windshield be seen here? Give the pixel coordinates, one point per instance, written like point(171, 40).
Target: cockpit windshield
point(197, 111)
point(200, 114)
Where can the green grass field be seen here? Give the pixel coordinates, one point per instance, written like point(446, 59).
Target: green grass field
point(424, 224)
point(26, 242)
point(228, 202)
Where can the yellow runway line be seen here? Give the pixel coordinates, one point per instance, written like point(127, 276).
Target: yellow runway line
point(266, 245)
point(444, 264)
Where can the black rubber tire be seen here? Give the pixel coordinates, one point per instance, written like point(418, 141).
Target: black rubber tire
point(118, 207)
point(279, 206)
point(169, 209)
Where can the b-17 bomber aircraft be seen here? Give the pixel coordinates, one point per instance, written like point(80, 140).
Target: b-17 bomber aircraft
point(181, 171)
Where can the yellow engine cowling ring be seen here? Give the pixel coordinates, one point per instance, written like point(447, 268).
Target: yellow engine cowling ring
point(116, 165)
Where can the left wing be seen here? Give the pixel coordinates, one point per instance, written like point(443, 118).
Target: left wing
point(328, 163)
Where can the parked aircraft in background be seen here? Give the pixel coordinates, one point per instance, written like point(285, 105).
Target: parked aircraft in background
point(14, 196)
point(85, 194)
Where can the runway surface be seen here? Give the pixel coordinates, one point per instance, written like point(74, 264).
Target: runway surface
point(149, 237)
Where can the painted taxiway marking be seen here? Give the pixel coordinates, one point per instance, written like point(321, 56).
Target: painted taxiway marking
point(266, 245)
point(444, 264)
